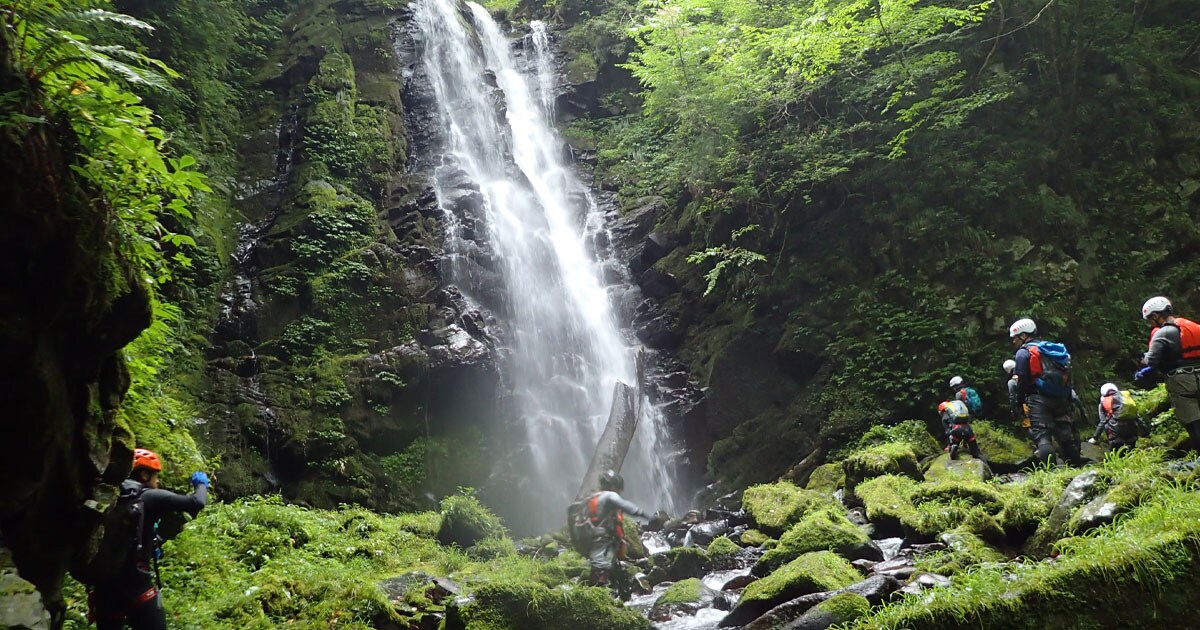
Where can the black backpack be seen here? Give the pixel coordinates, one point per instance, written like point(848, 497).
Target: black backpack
point(581, 527)
point(117, 544)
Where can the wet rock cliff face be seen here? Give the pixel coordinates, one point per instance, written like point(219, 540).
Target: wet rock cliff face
point(345, 367)
point(68, 304)
point(342, 370)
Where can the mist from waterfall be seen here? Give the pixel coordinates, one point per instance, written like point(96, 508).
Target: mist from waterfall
point(517, 216)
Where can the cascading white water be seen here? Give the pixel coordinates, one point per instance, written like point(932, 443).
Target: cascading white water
point(511, 201)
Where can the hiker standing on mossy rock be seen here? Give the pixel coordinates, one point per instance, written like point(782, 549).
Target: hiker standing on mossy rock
point(126, 591)
point(1044, 392)
point(1174, 352)
point(956, 419)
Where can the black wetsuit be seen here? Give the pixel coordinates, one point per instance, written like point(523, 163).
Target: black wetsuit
point(134, 600)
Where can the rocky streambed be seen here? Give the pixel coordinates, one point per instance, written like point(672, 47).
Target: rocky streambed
point(889, 523)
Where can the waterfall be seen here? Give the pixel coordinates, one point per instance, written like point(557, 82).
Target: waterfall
point(525, 238)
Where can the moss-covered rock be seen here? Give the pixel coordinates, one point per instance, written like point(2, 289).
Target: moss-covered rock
point(684, 597)
point(893, 458)
point(839, 609)
point(465, 521)
point(532, 606)
point(810, 573)
point(827, 478)
point(900, 506)
point(1026, 503)
point(826, 529)
point(723, 552)
point(681, 563)
point(963, 550)
point(942, 466)
point(775, 507)
point(1004, 450)
point(1142, 570)
point(1082, 489)
point(911, 432)
point(754, 538)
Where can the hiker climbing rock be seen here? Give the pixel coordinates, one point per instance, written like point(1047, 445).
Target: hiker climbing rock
point(956, 419)
point(1174, 354)
point(123, 574)
point(1044, 392)
point(967, 395)
point(598, 524)
point(1118, 422)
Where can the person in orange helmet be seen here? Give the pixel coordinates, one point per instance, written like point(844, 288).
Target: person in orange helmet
point(131, 598)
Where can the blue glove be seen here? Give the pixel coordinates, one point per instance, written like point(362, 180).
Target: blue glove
point(1144, 374)
point(199, 478)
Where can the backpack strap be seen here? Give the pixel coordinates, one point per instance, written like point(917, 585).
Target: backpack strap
point(593, 506)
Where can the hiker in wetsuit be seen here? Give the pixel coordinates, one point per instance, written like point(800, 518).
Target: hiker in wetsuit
point(1044, 392)
point(607, 509)
point(1120, 433)
point(134, 600)
point(1014, 407)
point(956, 419)
point(1174, 353)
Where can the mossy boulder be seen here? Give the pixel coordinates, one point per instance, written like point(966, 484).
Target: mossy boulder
point(754, 538)
point(900, 506)
point(1004, 450)
point(774, 507)
point(684, 597)
point(839, 609)
point(894, 458)
point(961, 487)
point(1082, 489)
point(1141, 571)
point(532, 606)
point(827, 478)
point(681, 563)
point(911, 432)
point(963, 550)
point(888, 502)
point(723, 553)
point(465, 521)
point(826, 529)
point(815, 572)
point(942, 466)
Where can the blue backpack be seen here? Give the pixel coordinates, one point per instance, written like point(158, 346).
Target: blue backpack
point(971, 397)
point(1050, 368)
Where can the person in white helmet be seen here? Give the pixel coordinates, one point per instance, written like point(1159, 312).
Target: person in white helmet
point(1174, 353)
point(967, 395)
point(1014, 407)
point(1044, 392)
point(1121, 431)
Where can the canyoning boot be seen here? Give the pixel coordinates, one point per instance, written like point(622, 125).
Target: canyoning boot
point(953, 452)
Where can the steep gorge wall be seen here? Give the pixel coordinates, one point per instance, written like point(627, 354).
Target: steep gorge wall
point(69, 302)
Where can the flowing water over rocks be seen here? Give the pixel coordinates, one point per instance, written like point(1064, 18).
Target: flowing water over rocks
point(527, 242)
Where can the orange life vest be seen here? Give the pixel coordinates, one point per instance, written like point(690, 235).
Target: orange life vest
point(1189, 338)
point(618, 523)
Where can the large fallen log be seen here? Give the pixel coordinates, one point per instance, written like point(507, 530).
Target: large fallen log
point(618, 432)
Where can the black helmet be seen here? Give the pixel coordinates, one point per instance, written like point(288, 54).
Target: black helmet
point(610, 480)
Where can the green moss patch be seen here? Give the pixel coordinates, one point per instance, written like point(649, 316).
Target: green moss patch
point(810, 573)
point(722, 547)
point(754, 538)
point(1004, 450)
point(682, 592)
point(465, 521)
point(532, 606)
point(775, 507)
point(826, 529)
point(827, 478)
point(963, 550)
point(843, 607)
point(893, 458)
point(1141, 570)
